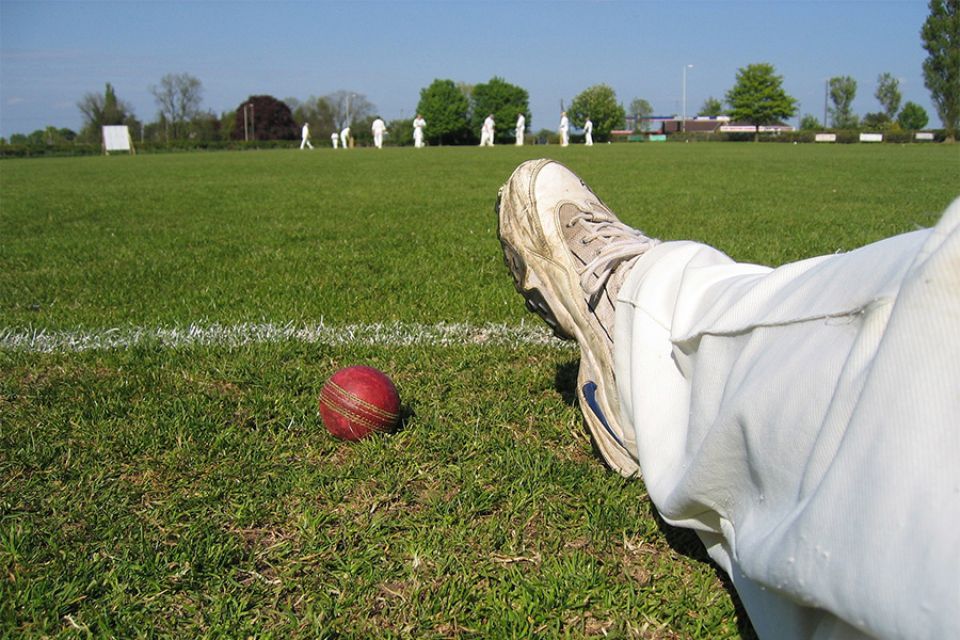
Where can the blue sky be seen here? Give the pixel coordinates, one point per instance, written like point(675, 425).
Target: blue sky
point(52, 53)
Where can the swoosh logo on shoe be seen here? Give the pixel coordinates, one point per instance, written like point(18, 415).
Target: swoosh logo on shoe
point(590, 395)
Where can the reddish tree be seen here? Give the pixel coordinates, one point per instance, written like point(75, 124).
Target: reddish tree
point(265, 118)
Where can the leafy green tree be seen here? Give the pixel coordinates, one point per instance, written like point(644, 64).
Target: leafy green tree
point(842, 92)
point(228, 123)
point(758, 97)
point(640, 109)
point(502, 99)
point(711, 107)
point(362, 131)
point(913, 117)
point(444, 107)
point(888, 94)
point(103, 110)
point(599, 103)
point(941, 69)
point(809, 123)
point(205, 126)
point(266, 119)
point(878, 121)
point(401, 132)
point(178, 97)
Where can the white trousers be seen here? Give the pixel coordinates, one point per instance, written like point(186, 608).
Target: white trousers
point(805, 421)
point(519, 135)
point(417, 138)
point(564, 138)
point(486, 139)
point(589, 140)
point(378, 140)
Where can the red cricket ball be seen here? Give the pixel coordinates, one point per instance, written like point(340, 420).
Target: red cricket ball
point(357, 401)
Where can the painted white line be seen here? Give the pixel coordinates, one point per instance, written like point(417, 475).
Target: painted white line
point(222, 335)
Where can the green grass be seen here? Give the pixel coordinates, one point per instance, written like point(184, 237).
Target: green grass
point(191, 491)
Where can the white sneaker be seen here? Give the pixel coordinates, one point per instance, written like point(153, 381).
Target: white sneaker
point(563, 247)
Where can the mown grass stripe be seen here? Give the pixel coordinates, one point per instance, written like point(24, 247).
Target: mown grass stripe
point(223, 335)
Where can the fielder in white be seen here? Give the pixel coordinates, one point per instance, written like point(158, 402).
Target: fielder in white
point(334, 139)
point(486, 132)
point(804, 420)
point(305, 136)
point(521, 129)
point(588, 133)
point(345, 137)
point(379, 127)
point(564, 129)
point(418, 124)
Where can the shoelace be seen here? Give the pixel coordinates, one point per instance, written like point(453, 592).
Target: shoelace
point(622, 243)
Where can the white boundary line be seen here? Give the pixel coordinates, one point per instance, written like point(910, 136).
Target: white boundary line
point(396, 334)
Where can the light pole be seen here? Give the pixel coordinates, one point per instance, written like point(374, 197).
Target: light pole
point(349, 95)
point(683, 123)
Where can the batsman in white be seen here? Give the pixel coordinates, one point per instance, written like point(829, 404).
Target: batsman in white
point(486, 132)
point(305, 136)
point(564, 129)
point(588, 132)
point(803, 420)
point(334, 139)
point(345, 137)
point(418, 124)
point(379, 127)
point(521, 129)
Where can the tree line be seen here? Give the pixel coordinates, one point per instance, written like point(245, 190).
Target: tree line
point(454, 111)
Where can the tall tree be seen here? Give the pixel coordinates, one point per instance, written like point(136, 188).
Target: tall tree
point(913, 117)
point(505, 101)
point(640, 109)
point(809, 123)
point(843, 89)
point(941, 69)
point(711, 107)
point(444, 107)
point(599, 103)
point(758, 97)
point(264, 118)
point(178, 98)
point(101, 110)
point(888, 94)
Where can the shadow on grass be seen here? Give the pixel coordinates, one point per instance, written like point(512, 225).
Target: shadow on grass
point(687, 543)
point(408, 411)
point(683, 541)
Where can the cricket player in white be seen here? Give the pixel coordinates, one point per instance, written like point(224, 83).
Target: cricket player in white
point(803, 420)
point(305, 136)
point(564, 129)
point(588, 133)
point(334, 138)
point(379, 127)
point(418, 124)
point(486, 132)
point(521, 128)
point(345, 137)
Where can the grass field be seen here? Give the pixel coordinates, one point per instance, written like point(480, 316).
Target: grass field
point(166, 323)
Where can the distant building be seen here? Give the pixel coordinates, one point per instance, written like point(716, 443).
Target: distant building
point(665, 125)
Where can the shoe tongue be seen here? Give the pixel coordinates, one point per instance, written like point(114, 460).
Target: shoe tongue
point(576, 235)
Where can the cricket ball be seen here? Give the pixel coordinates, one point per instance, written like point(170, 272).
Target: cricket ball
point(357, 401)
